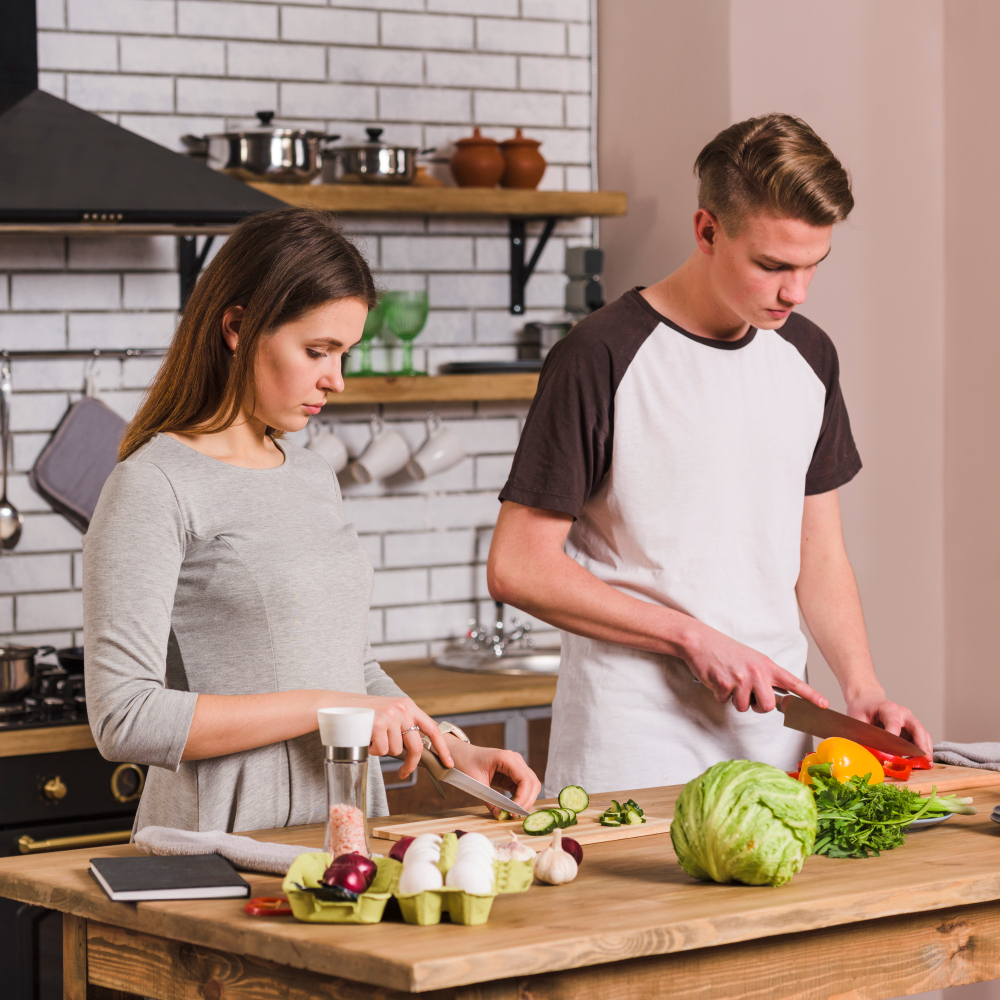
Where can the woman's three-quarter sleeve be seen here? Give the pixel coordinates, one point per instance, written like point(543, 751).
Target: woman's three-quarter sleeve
point(132, 556)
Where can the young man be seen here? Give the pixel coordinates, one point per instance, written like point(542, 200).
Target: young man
point(673, 500)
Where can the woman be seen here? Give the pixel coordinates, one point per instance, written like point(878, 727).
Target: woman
point(225, 598)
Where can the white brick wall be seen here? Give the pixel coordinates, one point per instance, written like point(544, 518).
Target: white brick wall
point(423, 70)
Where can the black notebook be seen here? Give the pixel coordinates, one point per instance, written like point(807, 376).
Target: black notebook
point(196, 876)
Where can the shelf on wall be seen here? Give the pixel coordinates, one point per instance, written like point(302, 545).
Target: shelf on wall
point(435, 389)
point(404, 199)
point(111, 229)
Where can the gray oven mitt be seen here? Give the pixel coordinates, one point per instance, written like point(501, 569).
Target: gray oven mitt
point(245, 853)
point(72, 468)
point(985, 755)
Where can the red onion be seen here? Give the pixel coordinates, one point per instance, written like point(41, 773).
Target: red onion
point(399, 848)
point(352, 873)
point(573, 849)
point(459, 834)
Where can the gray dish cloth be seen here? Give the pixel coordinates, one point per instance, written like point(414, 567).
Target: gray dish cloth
point(985, 755)
point(246, 854)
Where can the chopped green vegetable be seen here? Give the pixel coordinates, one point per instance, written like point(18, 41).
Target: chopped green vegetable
point(573, 797)
point(857, 819)
point(633, 818)
point(539, 823)
point(503, 816)
point(616, 814)
point(608, 821)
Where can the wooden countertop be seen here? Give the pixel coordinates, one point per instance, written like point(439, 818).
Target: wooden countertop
point(435, 388)
point(630, 899)
point(438, 692)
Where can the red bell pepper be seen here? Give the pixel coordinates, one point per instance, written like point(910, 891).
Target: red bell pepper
point(900, 768)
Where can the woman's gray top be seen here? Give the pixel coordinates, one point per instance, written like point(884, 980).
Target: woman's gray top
point(201, 577)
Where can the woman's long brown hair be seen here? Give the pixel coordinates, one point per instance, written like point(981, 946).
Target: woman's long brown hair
point(277, 265)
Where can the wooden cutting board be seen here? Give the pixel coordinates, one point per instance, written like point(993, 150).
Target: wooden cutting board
point(948, 777)
point(586, 831)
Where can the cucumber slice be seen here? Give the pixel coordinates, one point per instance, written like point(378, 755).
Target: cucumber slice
point(539, 823)
point(632, 818)
point(615, 807)
point(608, 821)
point(573, 797)
point(503, 816)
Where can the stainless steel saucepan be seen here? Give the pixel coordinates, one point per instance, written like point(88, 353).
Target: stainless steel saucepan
point(17, 668)
point(372, 162)
point(268, 153)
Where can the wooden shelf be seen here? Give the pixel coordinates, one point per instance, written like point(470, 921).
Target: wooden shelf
point(410, 200)
point(111, 229)
point(435, 389)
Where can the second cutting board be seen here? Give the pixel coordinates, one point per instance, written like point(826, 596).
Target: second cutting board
point(587, 830)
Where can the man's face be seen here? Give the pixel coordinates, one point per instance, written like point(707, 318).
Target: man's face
point(762, 273)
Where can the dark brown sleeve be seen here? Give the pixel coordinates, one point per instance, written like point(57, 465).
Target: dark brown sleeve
point(565, 447)
point(836, 460)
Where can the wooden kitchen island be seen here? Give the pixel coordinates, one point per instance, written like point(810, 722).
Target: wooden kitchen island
point(632, 925)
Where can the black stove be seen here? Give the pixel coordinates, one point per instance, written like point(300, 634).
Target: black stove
point(56, 698)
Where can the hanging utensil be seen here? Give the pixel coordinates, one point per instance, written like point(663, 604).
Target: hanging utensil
point(11, 521)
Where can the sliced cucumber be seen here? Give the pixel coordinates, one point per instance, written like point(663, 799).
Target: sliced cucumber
point(609, 821)
point(573, 797)
point(539, 823)
point(633, 818)
point(503, 816)
point(615, 807)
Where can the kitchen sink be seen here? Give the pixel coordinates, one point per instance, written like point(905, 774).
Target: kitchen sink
point(523, 662)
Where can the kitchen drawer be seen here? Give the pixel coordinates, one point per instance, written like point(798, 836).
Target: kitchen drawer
point(83, 779)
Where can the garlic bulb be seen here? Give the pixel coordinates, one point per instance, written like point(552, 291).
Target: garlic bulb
point(514, 850)
point(472, 875)
point(554, 865)
point(419, 877)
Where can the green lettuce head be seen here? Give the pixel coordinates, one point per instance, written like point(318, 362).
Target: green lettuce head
point(742, 821)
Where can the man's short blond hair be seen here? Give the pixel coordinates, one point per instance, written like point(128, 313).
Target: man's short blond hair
point(778, 164)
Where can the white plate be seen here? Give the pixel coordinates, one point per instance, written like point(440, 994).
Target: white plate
point(930, 821)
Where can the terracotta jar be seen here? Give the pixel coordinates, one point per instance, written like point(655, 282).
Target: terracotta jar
point(477, 161)
point(523, 164)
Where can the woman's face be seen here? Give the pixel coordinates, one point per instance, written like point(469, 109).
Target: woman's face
point(301, 361)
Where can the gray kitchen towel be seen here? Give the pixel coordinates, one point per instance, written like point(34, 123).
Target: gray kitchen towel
point(244, 852)
point(985, 755)
point(72, 468)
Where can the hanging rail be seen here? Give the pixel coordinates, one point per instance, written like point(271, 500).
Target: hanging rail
point(97, 352)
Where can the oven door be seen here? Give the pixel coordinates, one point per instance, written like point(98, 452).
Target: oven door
point(52, 802)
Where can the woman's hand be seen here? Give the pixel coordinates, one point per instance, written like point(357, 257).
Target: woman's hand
point(394, 734)
point(874, 708)
point(503, 769)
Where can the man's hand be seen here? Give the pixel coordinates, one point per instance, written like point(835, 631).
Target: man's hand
point(731, 670)
point(503, 769)
point(875, 709)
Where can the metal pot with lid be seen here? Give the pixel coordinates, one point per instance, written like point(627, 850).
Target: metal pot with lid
point(267, 153)
point(17, 668)
point(372, 162)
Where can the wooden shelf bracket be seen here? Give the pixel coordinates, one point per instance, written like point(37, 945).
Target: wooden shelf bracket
point(520, 271)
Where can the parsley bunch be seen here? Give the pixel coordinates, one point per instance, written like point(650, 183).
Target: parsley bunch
point(857, 819)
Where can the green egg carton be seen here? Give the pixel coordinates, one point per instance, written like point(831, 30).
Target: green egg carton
point(425, 908)
point(307, 870)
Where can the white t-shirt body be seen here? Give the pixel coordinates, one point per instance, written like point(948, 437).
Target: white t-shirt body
point(685, 462)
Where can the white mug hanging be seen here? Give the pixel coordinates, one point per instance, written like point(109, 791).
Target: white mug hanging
point(387, 453)
point(327, 445)
point(440, 451)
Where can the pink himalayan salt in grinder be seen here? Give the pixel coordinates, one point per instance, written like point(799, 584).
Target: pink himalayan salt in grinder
point(346, 734)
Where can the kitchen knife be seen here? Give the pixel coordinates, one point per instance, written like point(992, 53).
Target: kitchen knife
point(459, 779)
point(805, 717)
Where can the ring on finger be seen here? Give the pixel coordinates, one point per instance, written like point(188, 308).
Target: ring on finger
point(410, 730)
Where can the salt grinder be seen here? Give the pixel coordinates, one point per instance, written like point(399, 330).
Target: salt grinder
point(346, 734)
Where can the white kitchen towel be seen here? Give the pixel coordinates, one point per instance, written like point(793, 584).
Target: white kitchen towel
point(246, 854)
point(985, 755)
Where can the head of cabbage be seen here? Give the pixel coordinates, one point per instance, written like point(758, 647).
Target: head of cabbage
point(742, 821)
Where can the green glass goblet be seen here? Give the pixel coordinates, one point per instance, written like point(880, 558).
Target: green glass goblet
point(405, 315)
point(373, 326)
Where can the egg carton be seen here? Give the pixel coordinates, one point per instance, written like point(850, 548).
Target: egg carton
point(307, 870)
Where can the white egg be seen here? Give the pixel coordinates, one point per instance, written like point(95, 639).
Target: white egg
point(474, 841)
point(427, 838)
point(471, 877)
point(427, 853)
point(419, 878)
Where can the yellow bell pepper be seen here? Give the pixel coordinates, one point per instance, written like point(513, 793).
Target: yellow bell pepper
point(846, 759)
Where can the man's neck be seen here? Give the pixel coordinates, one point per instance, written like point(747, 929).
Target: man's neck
point(688, 299)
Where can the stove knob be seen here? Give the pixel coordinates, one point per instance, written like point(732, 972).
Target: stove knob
point(54, 789)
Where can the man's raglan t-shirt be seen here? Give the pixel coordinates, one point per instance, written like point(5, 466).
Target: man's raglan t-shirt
point(685, 462)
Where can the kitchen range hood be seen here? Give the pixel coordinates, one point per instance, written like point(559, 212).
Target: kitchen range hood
point(60, 164)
